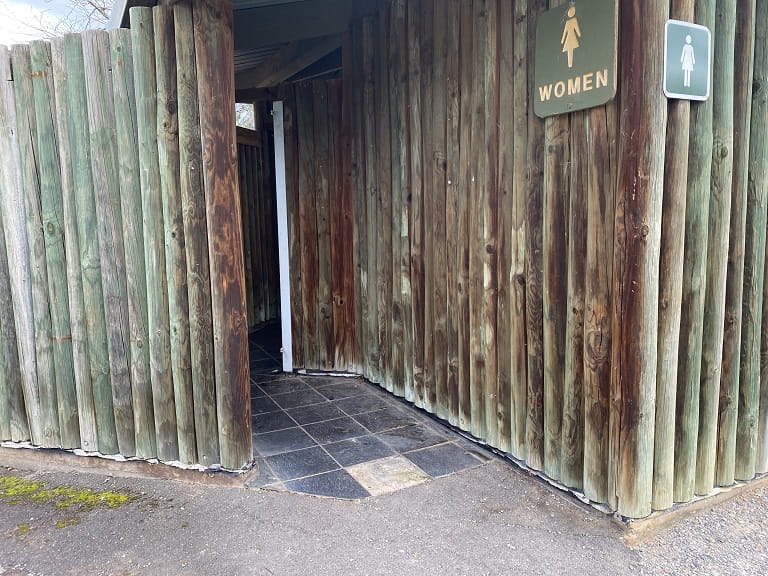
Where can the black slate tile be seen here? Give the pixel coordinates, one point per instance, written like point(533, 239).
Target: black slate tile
point(292, 465)
point(344, 389)
point(443, 459)
point(263, 405)
point(297, 399)
point(256, 391)
point(338, 484)
point(318, 381)
point(365, 403)
point(272, 422)
point(263, 476)
point(359, 450)
point(284, 386)
point(386, 419)
point(315, 413)
point(289, 440)
point(412, 438)
point(335, 430)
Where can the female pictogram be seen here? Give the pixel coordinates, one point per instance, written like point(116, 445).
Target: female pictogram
point(688, 60)
point(571, 35)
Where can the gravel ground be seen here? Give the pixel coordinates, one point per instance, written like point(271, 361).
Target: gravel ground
point(730, 539)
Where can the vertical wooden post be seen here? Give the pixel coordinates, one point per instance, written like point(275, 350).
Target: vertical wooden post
point(742, 109)
point(90, 254)
point(133, 237)
point(671, 285)
point(196, 236)
point(694, 283)
point(748, 451)
point(215, 73)
point(15, 238)
point(717, 249)
point(641, 173)
point(158, 320)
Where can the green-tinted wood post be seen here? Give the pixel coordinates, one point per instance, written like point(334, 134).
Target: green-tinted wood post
point(748, 449)
point(90, 258)
point(215, 72)
point(694, 283)
point(52, 211)
point(106, 185)
point(671, 284)
point(77, 314)
point(158, 321)
point(173, 218)
point(35, 253)
point(17, 325)
point(133, 236)
point(354, 75)
point(555, 280)
point(717, 248)
point(641, 182)
point(742, 110)
point(196, 236)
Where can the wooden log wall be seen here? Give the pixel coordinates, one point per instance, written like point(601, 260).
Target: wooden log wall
point(255, 153)
point(582, 300)
point(120, 251)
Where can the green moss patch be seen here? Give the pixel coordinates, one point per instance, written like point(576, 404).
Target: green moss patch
point(16, 490)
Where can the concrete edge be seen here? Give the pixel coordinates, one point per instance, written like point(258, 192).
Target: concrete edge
point(52, 460)
point(637, 531)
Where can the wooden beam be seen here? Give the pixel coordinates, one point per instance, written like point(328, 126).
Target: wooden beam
point(289, 61)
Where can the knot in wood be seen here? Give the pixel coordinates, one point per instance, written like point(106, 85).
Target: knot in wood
point(723, 152)
point(644, 231)
point(50, 228)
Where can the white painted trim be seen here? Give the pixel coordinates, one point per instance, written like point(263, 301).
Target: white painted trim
point(282, 238)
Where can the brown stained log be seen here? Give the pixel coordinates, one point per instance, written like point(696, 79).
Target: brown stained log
point(244, 161)
point(453, 98)
point(728, 412)
point(533, 266)
point(196, 235)
point(322, 211)
point(336, 221)
point(641, 172)
point(466, 61)
point(215, 72)
point(717, 250)
point(384, 212)
point(694, 280)
point(308, 216)
point(416, 214)
point(517, 233)
point(572, 430)
point(671, 285)
point(439, 278)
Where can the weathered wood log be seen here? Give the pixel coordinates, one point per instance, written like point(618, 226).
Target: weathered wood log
point(742, 109)
point(101, 122)
point(641, 174)
point(748, 449)
point(244, 162)
point(133, 238)
point(717, 249)
point(15, 240)
point(52, 212)
point(77, 314)
point(158, 314)
point(671, 285)
point(215, 72)
point(694, 283)
point(173, 226)
point(90, 253)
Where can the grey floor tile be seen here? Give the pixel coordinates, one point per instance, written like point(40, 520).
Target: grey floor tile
point(256, 391)
point(315, 413)
point(318, 381)
point(365, 403)
point(344, 389)
point(261, 377)
point(309, 462)
point(298, 399)
point(262, 405)
point(336, 484)
point(272, 422)
point(289, 440)
point(359, 450)
point(284, 386)
point(386, 419)
point(412, 437)
point(335, 430)
point(443, 459)
point(263, 477)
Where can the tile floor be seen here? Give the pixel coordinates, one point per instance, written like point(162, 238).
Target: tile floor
point(342, 437)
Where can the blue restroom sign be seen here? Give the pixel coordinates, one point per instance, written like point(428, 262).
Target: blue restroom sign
point(687, 61)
